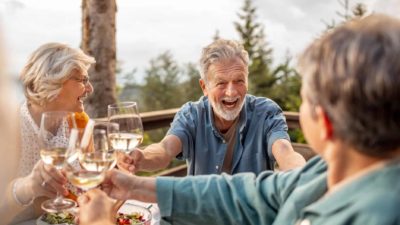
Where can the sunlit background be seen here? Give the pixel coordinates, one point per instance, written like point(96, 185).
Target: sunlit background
point(146, 28)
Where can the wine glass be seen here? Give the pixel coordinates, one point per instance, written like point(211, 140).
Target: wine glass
point(86, 170)
point(86, 165)
point(129, 132)
point(99, 149)
point(54, 133)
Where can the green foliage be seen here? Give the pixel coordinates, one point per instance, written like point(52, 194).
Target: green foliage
point(286, 91)
point(174, 163)
point(191, 87)
point(146, 139)
point(281, 83)
point(296, 135)
point(131, 89)
point(260, 55)
point(162, 89)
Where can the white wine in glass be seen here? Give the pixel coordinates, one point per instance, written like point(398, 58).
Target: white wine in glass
point(128, 133)
point(100, 150)
point(98, 160)
point(54, 156)
point(85, 179)
point(54, 133)
point(87, 170)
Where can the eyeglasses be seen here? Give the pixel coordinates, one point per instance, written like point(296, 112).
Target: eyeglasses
point(84, 80)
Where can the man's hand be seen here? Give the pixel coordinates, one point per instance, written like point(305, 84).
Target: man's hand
point(131, 162)
point(118, 184)
point(96, 208)
point(153, 157)
point(122, 185)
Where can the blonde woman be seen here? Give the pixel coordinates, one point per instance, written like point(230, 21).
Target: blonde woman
point(55, 78)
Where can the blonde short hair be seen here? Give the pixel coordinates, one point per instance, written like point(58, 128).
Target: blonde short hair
point(48, 68)
point(221, 50)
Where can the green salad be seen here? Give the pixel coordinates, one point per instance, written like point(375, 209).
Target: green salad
point(58, 218)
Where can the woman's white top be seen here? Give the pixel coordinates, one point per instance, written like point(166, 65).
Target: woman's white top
point(30, 149)
point(30, 154)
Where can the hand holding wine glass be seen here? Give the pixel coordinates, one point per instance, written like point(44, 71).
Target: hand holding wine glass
point(129, 132)
point(54, 133)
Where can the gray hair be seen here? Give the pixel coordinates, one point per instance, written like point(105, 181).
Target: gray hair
point(48, 68)
point(221, 50)
point(353, 73)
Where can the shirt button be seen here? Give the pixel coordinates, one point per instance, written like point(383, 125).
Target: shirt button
point(223, 141)
point(216, 167)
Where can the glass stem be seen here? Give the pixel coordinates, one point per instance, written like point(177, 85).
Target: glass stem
point(58, 198)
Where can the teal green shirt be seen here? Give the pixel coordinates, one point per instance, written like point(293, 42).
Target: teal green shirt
point(281, 198)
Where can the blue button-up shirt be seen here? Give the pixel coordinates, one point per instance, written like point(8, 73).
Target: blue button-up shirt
point(261, 123)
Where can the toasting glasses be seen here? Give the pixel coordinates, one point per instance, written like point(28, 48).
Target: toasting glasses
point(86, 165)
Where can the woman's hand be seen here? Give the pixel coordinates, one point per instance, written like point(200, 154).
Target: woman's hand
point(44, 180)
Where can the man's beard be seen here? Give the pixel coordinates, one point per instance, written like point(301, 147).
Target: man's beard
point(228, 115)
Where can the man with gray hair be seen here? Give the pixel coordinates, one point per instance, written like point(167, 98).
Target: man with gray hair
point(353, 126)
point(226, 130)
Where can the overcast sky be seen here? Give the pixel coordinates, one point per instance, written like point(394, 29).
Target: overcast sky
point(146, 28)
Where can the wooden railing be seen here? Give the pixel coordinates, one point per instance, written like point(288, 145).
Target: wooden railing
point(163, 118)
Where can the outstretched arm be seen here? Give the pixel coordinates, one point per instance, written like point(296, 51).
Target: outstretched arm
point(285, 156)
point(154, 157)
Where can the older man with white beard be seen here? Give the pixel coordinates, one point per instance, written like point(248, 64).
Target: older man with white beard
point(226, 130)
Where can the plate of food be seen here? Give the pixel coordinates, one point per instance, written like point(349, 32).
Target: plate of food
point(63, 218)
point(131, 214)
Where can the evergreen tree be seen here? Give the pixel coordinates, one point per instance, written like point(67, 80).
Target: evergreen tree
point(280, 83)
point(286, 91)
point(348, 13)
point(131, 89)
point(359, 10)
point(162, 88)
point(191, 86)
point(253, 39)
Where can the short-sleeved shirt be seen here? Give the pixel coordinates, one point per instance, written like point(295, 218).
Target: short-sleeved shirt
point(261, 123)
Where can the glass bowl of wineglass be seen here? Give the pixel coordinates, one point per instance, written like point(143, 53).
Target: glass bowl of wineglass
point(99, 148)
point(126, 133)
point(86, 170)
